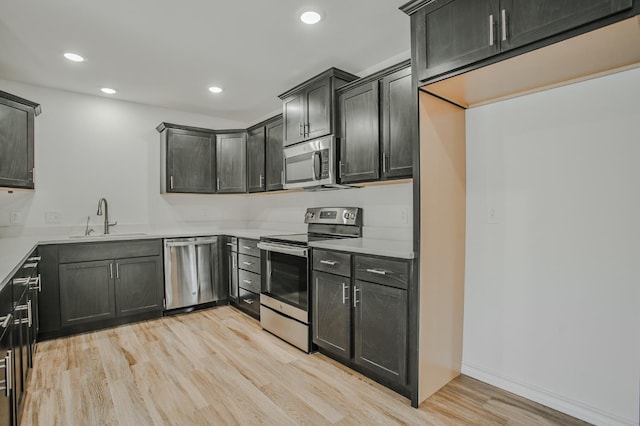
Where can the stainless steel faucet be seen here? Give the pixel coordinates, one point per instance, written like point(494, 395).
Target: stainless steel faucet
point(106, 214)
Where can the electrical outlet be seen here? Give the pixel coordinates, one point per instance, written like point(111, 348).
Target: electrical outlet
point(53, 218)
point(404, 215)
point(492, 215)
point(15, 218)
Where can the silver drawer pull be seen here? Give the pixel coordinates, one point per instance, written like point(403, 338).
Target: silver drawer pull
point(6, 320)
point(34, 259)
point(247, 263)
point(247, 281)
point(345, 292)
point(377, 271)
point(329, 262)
point(248, 301)
point(21, 281)
point(35, 283)
point(30, 265)
point(230, 244)
point(247, 247)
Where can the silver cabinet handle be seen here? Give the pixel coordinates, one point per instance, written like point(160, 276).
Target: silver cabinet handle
point(384, 162)
point(230, 244)
point(36, 283)
point(247, 281)
point(247, 263)
point(247, 247)
point(329, 262)
point(111, 270)
point(6, 320)
point(171, 182)
point(8, 367)
point(282, 177)
point(377, 271)
point(21, 281)
point(233, 261)
point(504, 25)
point(345, 293)
point(34, 259)
point(491, 30)
point(355, 296)
point(248, 301)
point(218, 183)
point(30, 265)
point(340, 168)
point(261, 181)
point(117, 270)
point(299, 129)
point(29, 313)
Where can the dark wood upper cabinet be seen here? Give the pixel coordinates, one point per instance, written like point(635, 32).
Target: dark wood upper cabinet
point(397, 123)
point(17, 118)
point(451, 34)
point(231, 160)
point(274, 160)
point(376, 126)
point(308, 110)
point(256, 159)
point(359, 133)
point(188, 159)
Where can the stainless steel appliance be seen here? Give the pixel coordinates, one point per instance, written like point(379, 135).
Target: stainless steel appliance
point(311, 165)
point(191, 272)
point(284, 301)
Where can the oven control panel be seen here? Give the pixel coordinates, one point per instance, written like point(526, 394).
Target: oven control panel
point(334, 215)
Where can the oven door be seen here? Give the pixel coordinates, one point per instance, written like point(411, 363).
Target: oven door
point(285, 280)
point(310, 164)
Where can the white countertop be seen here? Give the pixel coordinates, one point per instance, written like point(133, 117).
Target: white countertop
point(14, 251)
point(389, 248)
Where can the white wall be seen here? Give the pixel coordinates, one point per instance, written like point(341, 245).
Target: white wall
point(552, 291)
point(87, 147)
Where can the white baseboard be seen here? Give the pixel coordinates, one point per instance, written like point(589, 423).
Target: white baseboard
point(552, 400)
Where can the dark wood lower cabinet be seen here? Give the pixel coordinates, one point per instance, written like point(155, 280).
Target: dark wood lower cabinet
point(380, 330)
point(86, 292)
point(136, 285)
point(332, 313)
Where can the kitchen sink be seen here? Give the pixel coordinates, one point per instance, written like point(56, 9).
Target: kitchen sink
point(130, 234)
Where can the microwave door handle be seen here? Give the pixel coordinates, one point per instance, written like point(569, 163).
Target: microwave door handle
point(316, 165)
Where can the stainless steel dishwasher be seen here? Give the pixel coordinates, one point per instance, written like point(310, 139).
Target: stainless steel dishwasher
point(191, 272)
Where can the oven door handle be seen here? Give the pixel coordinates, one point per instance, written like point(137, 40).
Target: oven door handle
point(294, 251)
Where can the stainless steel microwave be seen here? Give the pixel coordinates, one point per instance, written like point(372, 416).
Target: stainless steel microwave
point(310, 164)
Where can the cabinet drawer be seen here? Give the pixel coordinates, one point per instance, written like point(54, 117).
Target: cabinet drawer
point(232, 243)
point(249, 302)
point(84, 252)
point(332, 262)
point(249, 263)
point(249, 247)
point(394, 273)
point(249, 281)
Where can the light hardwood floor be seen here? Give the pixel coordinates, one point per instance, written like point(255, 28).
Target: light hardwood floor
point(217, 366)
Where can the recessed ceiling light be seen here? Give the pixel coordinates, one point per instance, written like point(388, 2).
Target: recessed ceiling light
point(214, 89)
point(310, 17)
point(108, 91)
point(74, 57)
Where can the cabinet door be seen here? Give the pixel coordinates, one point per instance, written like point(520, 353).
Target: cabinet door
point(332, 313)
point(231, 156)
point(531, 20)
point(86, 292)
point(274, 135)
point(398, 120)
point(318, 109)
point(190, 161)
point(380, 330)
point(255, 160)
point(6, 354)
point(293, 118)
point(233, 275)
point(20, 350)
point(359, 134)
point(457, 33)
point(16, 146)
point(138, 285)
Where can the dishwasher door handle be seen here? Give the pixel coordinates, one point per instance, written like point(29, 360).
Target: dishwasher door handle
point(189, 243)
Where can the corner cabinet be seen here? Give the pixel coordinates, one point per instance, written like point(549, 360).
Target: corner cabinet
point(308, 109)
point(188, 159)
point(231, 161)
point(256, 159)
point(264, 156)
point(274, 157)
point(453, 33)
point(17, 118)
point(376, 123)
point(361, 314)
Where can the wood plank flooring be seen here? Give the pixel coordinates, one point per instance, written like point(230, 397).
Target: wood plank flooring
point(218, 367)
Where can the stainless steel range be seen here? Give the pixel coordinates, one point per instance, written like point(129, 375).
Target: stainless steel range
point(284, 301)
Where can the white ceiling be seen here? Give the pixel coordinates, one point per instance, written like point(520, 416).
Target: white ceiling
point(167, 53)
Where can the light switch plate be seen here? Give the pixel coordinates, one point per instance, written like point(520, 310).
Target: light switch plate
point(15, 218)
